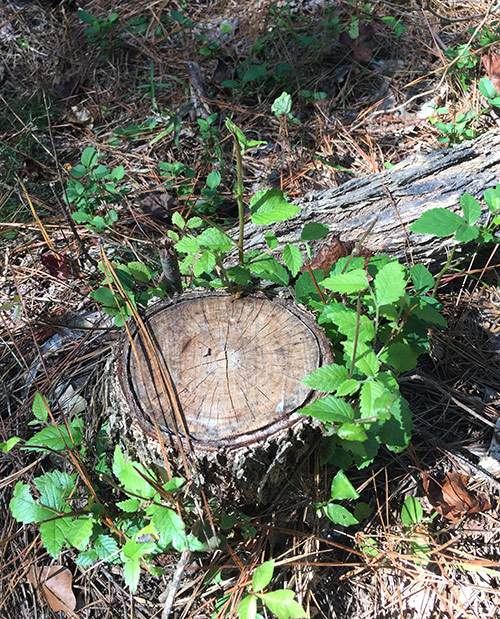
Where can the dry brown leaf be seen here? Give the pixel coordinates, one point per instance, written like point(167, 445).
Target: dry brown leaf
point(450, 498)
point(55, 582)
point(491, 63)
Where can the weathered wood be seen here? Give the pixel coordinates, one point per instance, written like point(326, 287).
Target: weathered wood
point(421, 182)
point(222, 377)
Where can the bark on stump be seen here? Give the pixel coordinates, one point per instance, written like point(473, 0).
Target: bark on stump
point(223, 377)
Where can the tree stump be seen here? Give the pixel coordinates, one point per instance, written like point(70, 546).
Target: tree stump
point(222, 377)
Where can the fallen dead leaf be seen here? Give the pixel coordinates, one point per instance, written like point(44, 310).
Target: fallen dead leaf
point(55, 582)
point(450, 498)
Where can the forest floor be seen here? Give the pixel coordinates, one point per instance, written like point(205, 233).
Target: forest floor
point(149, 85)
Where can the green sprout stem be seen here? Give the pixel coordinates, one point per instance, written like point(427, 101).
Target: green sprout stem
point(239, 197)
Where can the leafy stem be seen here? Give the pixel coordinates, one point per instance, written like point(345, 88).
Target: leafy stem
point(239, 198)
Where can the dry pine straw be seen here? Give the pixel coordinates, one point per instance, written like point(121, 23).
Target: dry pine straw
point(350, 130)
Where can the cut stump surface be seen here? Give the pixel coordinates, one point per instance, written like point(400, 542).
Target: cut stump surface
point(235, 366)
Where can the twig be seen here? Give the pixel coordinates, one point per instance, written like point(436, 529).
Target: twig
point(168, 596)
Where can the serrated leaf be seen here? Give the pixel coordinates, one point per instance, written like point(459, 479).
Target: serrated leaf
point(40, 407)
point(411, 512)
point(346, 320)
point(492, 198)
point(271, 206)
point(79, 530)
point(215, 240)
point(372, 398)
point(239, 275)
point(305, 290)
point(54, 437)
point(390, 283)
point(55, 487)
point(178, 220)
point(340, 515)
point(395, 433)
point(169, 525)
point(140, 272)
point(106, 547)
point(327, 378)
point(188, 244)
point(466, 233)
point(131, 573)
point(53, 534)
point(438, 222)
point(271, 240)
point(314, 231)
point(128, 474)
point(247, 608)
point(129, 505)
point(262, 575)
point(24, 508)
point(399, 356)
point(342, 488)
point(329, 409)
point(194, 222)
point(282, 604)
point(348, 387)
point(470, 208)
point(347, 283)
point(421, 277)
point(204, 264)
point(269, 268)
point(292, 257)
point(368, 363)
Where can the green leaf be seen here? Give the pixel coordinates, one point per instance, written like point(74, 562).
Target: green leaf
point(247, 608)
point(340, 515)
point(204, 264)
point(314, 231)
point(214, 179)
point(131, 573)
point(263, 575)
point(40, 407)
point(492, 198)
point(78, 171)
point(188, 244)
point(271, 240)
point(411, 512)
point(282, 604)
point(329, 409)
point(390, 283)
point(269, 268)
point(282, 105)
point(140, 272)
point(129, 505)
point(422, 278)
point(466, 233)
point(6, 446)
point(292, 257)
point(178, 220)
point(238, 274)
point(438, 222)
point(347, 283)
point(24, 508)
point(194, 222)
point(105, 547)
point(89, 157)
point(128, 474)
point(348, 387)
point(342, 488)
point(395, 433)
point(399, 356)
point(135, 550)
point(346, 320)
point(374, 397)
point(368, 363)
point(242, 140)
point(214, 239)
point(56, 438)
point(271, 206)
point(327, 378)
point(117, 173)
point(486, 88)
point(169, 525)
point(351, 432)
point(305, 290)
point(470, 208)
point(85, 17)
point(79, 530)
point(54, 488)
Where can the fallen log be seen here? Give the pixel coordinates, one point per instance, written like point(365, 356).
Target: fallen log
point(395, 198)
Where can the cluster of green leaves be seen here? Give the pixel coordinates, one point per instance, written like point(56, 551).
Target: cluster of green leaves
point(101, 189)
point(441, 222)
point(280, 602)
point(134, 280)
point(128, 532)
point(377, 313)
point(100, 30)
